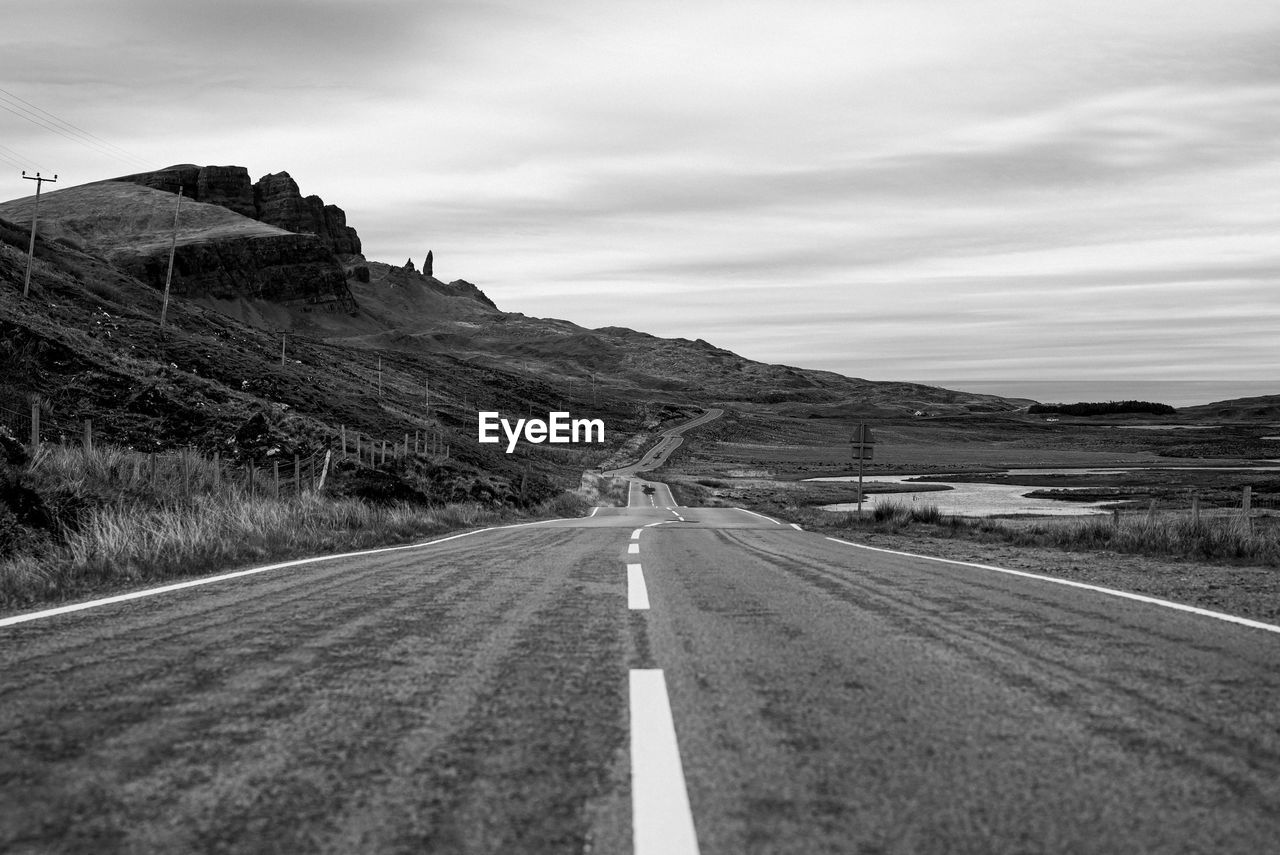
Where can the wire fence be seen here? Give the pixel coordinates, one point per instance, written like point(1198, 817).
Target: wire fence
point(17, 422)
point(377, 451)
point(183, 472)
point(1242, 502)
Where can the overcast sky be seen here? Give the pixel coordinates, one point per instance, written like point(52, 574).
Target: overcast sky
point(1008, 195)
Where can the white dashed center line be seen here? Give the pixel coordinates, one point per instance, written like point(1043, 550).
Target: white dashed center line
point(662, 823)
point(637, 593)
point(633, 548)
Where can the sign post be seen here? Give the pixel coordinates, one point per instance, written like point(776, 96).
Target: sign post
point(863, 447)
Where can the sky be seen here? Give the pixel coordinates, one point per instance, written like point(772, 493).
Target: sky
point(1060, 200)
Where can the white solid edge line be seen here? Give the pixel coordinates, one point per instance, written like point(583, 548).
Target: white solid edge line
point(1142, 598)
point(761, 516)
point(633, 548)
point(594, 511)
point(637, 593)
point(209, 580)
point(796, 526)
point(661, 820)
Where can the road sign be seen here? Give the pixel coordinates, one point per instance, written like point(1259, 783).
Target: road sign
point(862, 444)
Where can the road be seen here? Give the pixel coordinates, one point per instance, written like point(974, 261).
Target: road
point(668, 441)
point(649, 679)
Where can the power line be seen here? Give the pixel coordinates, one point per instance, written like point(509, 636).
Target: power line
point(18, 159)
point(15, 163)
point(24, 109)
point(35, 120)
point(69, 125)
point(48, 127)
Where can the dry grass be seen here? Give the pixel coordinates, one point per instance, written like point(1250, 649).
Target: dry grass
point(597, 489)
point(114, 527)
point(1219, 538)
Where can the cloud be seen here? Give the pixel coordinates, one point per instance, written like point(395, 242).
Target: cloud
point(911, 185)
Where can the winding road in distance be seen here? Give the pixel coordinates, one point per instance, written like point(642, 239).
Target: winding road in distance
point(651, 679)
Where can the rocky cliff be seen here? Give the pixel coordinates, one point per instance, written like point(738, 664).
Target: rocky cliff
point(219, 253)
point(280, 203)
point(228, 186)
point(274, 199)
point(286, 268)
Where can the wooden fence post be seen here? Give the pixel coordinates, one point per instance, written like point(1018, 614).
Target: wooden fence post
point(88, 435)
point(153, 469)
point(275, 471)
point(384, 452)
point(343, 430)
point(217, 471)
point(1195, 509)
point(297, 476)
point(324, 472)
point(1246, 503)
point(35, 425)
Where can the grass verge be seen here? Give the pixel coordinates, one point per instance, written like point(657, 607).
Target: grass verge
point(1226, 539)
point(74, 522)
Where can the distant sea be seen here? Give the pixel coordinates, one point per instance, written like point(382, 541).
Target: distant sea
point(1176, 393)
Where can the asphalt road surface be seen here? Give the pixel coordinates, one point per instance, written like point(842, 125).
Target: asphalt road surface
point(668, 441)
point(650, 679)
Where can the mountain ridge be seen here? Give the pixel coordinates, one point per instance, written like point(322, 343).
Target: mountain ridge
point(104, 242)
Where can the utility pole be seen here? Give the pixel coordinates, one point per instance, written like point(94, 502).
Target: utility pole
point(173, 247)
point(31, 250)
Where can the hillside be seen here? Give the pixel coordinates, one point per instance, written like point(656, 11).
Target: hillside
point(1261, 407)
point(88, 344)
point(88, 341)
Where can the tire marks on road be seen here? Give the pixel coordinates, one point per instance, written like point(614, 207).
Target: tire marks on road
point(378, 708)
